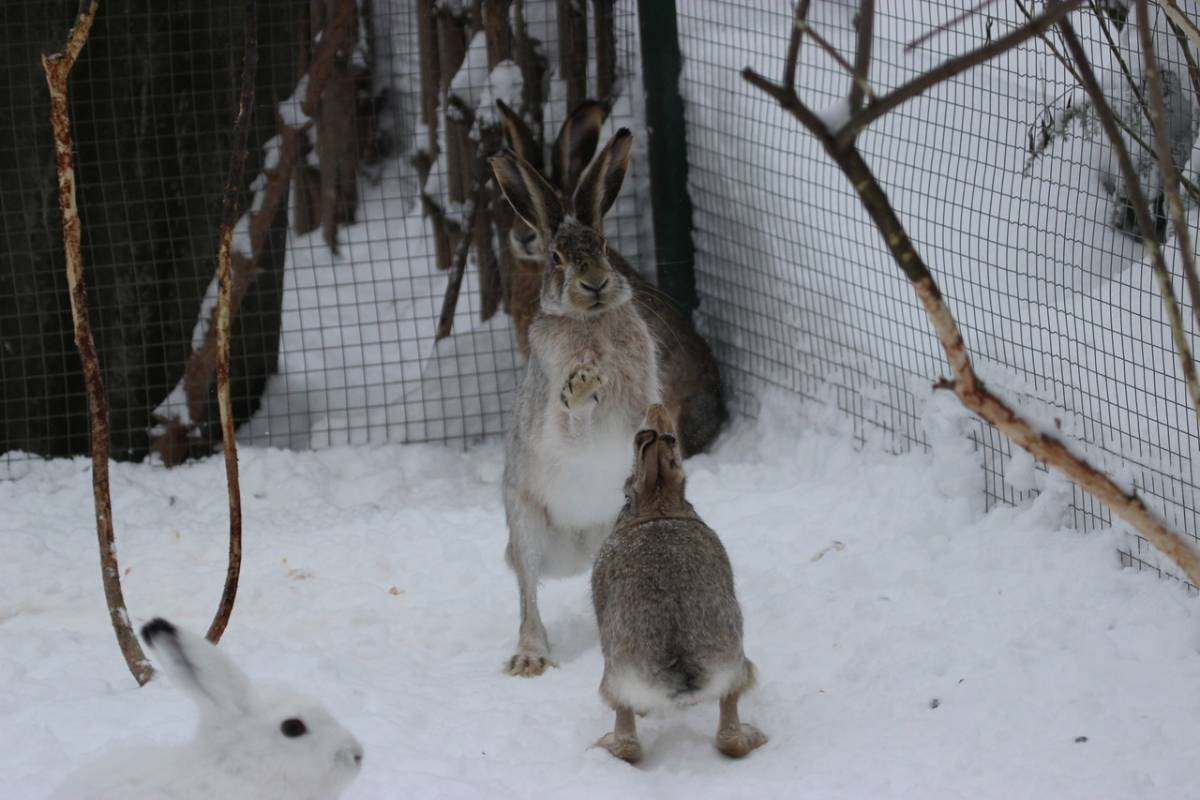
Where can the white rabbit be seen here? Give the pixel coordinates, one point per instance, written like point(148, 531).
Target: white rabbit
point(248, 744)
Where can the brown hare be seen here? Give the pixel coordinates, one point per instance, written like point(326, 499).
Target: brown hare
point(688, 371)
point(662, 588)
point(591, 374)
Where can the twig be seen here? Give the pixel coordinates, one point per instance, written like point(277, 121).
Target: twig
point(1167, 165)
point(58, 68)
point(799, 27)
point(966, 384)
point(1055, 11)
point(862, 55)
point(450, 300)
point(947, 25)
point(1141, 210)
point(229, 218)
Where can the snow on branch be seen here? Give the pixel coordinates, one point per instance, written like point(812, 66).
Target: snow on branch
point(841, 146)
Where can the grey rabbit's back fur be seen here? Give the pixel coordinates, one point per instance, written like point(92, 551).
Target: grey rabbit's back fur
point(662, 589)
point(665, 605)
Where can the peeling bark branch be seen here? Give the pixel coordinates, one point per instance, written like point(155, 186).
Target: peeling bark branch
point(58, 68)
point(229, 218)
point(966, 384)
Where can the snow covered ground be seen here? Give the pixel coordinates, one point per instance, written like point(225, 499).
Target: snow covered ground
point(909, 646)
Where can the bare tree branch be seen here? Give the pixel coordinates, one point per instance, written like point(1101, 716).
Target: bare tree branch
point(965, 383)
point(799, 27)
point(860, 77)
point(229, 218)
point(1141, 210)
point(1167, 165)
point(58, 68)
point(1055, 11)
point(947, 25)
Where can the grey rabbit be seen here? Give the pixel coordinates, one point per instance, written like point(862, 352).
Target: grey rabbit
point(662, 588)
point(591, 374)
point(688, 371)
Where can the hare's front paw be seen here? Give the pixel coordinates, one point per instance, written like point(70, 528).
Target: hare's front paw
point(582, 389)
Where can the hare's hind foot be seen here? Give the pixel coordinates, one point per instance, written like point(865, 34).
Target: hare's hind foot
point(527, 665)
point(734, 737)
point(582, 389)
point(739, 741)
point(623, 742)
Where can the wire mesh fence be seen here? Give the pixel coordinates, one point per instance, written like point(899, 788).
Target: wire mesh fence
point(1009, 196)
point(337, 259)
point(1000, 176)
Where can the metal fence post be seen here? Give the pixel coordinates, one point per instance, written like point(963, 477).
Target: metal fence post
point(662, 63)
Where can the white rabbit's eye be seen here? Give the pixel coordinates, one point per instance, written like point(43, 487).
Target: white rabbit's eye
point(556, 258)
point(293, 727)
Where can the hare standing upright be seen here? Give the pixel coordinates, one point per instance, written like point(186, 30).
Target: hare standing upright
point(662, 587)
point(251, 743)
point(591, 374)
point(688, 371)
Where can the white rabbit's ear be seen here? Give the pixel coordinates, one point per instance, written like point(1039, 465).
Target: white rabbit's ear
point(531, 197)
point(601, 181)
point(199, 668)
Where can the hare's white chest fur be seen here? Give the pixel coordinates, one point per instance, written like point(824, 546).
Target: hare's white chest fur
point(582, 477)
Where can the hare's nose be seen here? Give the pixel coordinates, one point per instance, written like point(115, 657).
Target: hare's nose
point(594, 289)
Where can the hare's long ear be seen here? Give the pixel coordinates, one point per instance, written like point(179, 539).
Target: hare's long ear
point(645, 465)
point(199, 668)
point(534, 200)
point(576, 144)
point(601, 181)
point(518, 137)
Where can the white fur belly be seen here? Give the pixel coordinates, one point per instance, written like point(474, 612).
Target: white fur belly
point(583, 481)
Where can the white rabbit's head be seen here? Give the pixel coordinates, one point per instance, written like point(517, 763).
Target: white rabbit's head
point(269, 738)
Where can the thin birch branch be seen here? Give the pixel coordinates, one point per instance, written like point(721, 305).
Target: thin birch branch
point(1141, 210)
point(229, 218)
point(965, 382)
point(953, 22)
point(58, 68)
point(860, 77)
point(1167, 165)
point(1055, 11)
point(799, 28)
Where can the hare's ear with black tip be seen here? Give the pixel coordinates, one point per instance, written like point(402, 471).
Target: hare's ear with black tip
point(199, 668)
point(531, 197)
point(518, 137)
point(601, 181)
point(576, 144)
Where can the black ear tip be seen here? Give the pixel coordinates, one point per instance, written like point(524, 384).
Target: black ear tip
point(157, 627)
point(623, 133)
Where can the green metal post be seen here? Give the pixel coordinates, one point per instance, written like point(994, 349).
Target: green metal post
point(662, 63)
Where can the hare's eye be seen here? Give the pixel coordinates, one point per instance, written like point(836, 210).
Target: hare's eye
point(293, 727)
point(556, 258)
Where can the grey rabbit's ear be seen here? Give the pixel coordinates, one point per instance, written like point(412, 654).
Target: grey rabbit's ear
point(576, 144)
point(199, 668)
point(531, 197)
point(601, 181)
point(518, 137)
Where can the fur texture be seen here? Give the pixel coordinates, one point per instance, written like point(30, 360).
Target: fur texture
point(266, 745)
point(592, 372)
point(688, 371)
point(662, 589)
